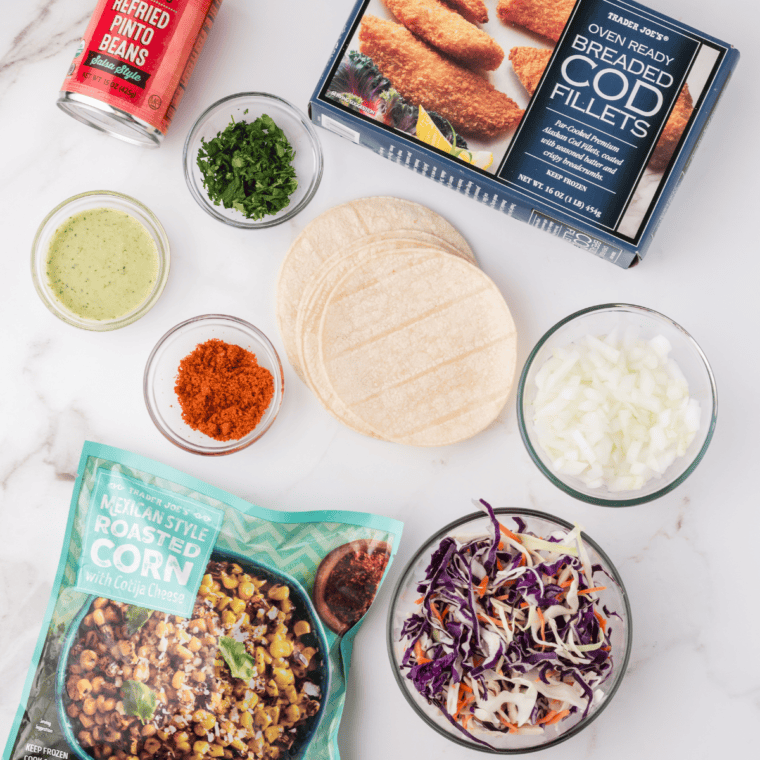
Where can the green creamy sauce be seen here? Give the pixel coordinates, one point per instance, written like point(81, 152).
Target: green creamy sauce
point(102, 264)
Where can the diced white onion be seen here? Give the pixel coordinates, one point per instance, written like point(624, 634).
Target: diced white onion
point(614, 410)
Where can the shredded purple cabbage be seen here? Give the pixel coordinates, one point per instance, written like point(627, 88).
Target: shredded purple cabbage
point(544, 665)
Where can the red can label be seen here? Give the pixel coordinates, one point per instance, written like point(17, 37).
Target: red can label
point(137, 55)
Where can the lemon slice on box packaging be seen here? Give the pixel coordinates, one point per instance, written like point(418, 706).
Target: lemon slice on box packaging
point(429, 133)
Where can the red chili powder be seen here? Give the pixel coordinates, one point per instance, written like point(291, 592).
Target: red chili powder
point(353, 583)
point(222, 390)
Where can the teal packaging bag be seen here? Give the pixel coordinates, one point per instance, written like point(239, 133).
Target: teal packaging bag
point(187, 623)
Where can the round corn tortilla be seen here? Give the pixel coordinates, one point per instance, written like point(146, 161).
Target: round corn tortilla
point(339, 228)
point(422, 351)
point(312, 308)
point(342, 260)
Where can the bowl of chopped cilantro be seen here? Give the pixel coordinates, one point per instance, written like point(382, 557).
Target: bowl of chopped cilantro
point(252, 160)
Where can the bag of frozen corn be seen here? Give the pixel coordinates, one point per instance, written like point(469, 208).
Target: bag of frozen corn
point(187, 623)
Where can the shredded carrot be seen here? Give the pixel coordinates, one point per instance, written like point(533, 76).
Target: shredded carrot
point(504, 597)
point(543, 623)
point(591, 590)
point(468, 700)
point(482, 586)
point(567, 583)
point(435, 612)
point(546, 717)
point(507, 532)
point(420, 600)
point(419, 654)
point(601, 619)
point(464, 687)
point(466, 719)
point(487, 619)
point(440, 616)
point(499, 566)
point(511, 726)
point(553, 716)
point(557, 717)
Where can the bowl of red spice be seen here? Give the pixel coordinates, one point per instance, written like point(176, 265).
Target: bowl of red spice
point(213, 384)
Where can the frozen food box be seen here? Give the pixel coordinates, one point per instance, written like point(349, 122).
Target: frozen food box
point(577, 117)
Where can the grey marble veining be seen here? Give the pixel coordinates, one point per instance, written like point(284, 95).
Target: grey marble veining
point(688, 559)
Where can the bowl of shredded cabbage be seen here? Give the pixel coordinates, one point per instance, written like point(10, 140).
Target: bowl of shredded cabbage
point(617, 405)
point(509, 631)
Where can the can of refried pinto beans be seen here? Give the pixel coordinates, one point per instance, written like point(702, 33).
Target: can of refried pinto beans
point(133, 64)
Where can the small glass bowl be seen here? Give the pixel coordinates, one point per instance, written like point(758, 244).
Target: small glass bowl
point(597, 321)
point(72, 206)
point(161, 375)
point(248, 106)
point(403, 604)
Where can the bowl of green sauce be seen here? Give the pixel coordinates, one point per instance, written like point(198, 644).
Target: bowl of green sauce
point(100, 260)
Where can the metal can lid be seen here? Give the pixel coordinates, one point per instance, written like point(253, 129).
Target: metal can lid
point(112, 121)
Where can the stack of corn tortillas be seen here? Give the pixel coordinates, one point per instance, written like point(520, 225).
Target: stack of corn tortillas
point(386, 316)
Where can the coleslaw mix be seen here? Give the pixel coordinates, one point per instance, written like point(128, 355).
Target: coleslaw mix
point(510, 635)
point(182, 624)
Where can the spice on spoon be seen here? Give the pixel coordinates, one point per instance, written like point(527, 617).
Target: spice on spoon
point(222, 390)
point(353, 585)
point(347, 580)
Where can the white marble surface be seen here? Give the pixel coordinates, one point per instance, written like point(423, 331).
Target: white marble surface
point(688, 560)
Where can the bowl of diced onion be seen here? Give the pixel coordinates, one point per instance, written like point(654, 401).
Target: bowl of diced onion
point(617, 405)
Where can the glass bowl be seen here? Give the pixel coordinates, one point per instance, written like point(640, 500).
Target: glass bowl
point(248, 106)
point(161, 374)
point(598, 321)
point(96, 199)
point(613, 597)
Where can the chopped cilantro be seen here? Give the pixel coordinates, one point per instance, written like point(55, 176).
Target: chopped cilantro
point(239, 661)
point(249, 166)
point(138, 700)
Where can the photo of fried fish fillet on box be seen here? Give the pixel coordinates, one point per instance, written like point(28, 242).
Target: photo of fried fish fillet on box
point(458, 75)
point(529, 64)
point(425, 77)
point(547, 18)
point(671, 134)
point(428, 68)
point(448, 32)
point(474, 11)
